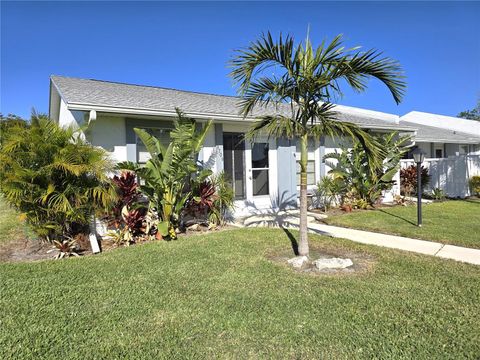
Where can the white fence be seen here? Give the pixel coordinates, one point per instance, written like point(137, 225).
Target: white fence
point(450, 174)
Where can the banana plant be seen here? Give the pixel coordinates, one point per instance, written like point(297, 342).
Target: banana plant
point(169, 173)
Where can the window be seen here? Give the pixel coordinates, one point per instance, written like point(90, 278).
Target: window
point(463, 149)
point(310, 172)
point(162, 134)
point(438, 153)
point(260, 168)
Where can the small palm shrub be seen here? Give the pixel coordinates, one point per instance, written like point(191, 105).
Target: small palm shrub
point(223, 201)
point(408, 180)
point(54, 177)
point(8, 122)
point(475, 185)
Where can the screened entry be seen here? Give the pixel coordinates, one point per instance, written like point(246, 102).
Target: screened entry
point(234, 162)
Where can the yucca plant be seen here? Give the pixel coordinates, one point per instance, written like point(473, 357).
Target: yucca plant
point(306, 79)
point(54, 177)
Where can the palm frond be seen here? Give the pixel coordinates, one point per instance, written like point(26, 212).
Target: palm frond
point(276, 127)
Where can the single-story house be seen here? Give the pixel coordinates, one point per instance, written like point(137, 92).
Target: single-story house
point(264, 174)
point(442, 136)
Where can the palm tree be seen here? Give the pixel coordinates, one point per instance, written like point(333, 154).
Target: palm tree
point(305, 80)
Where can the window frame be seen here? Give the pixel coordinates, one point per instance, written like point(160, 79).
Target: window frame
point(267, 169)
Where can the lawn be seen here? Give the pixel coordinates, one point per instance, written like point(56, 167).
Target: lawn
point(11, 226)
point(218, 296)
point(455, 222)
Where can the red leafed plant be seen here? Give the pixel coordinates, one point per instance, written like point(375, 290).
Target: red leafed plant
point(408, 179)
point(135, 220)
point(127, 187)
point(206, 196)
point(127, 190)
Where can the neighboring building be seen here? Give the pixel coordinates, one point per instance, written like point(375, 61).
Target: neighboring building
point(443, 136)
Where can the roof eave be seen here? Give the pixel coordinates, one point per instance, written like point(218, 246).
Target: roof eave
point(197, 115)
point(449, 141)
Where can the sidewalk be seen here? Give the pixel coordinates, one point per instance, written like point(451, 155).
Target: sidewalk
point(291, 220)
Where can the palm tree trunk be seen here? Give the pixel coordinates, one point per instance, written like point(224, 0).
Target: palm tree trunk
point(303, 243)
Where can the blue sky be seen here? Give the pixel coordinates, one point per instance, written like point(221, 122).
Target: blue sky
point(186, 46)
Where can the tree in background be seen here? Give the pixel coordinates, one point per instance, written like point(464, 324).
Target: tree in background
point(306, 80)
point(471, 114)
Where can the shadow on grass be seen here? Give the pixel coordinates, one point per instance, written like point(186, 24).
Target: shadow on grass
point(398, 217)
point(472, 201)
point(293, 241)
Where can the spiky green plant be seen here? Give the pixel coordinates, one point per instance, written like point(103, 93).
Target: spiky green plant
point(305, 80)
point(54, 177)
point(352, 169)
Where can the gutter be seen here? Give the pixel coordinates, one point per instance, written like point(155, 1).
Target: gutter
point(197, 115)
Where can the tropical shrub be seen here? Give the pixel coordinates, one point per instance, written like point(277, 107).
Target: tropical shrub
point(55, 178)
point(475, 185)
point(172, 172)
point(223, 201)
point(438, 194)
point(328, 192)
point(359, 182)
point(211, 200)
point(408, 179)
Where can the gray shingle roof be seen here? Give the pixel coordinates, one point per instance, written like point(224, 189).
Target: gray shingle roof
point(75, 91)
point(427, 133)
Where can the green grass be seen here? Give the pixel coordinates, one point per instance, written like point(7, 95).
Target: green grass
point(11, 226)
point(217, 296)
point(455, 222)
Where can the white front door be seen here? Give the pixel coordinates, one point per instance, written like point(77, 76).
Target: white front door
point(261, 171)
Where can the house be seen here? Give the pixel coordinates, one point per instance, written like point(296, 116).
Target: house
point(264, 173)
point(442, 136)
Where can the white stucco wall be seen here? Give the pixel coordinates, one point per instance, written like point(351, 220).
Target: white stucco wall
point(68, 117)
point(109, 133)
point(208, 153)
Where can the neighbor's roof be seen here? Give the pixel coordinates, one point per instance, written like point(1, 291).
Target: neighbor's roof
point(106, 96)
point(426, 133)
point(471, 127)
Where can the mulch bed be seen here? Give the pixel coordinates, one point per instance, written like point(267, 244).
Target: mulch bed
point(28, 250)
point(362, 262)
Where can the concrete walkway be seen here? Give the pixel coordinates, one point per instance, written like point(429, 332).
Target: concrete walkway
point(291, 220)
